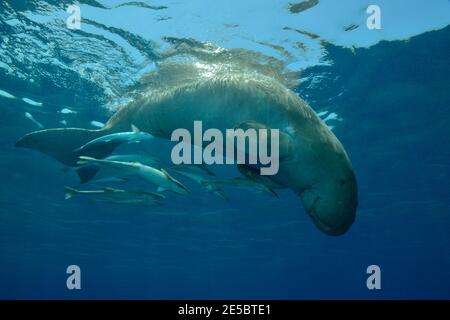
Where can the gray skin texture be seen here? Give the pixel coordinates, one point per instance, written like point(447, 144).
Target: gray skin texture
point(319, 170)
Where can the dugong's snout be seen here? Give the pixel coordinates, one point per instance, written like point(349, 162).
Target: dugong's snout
point(332, 204)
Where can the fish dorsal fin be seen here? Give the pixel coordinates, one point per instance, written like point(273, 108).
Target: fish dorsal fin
point(161, 189)
point(135, 129)
point(109, 189)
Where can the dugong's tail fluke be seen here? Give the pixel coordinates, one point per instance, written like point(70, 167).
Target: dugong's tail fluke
point(61, 144)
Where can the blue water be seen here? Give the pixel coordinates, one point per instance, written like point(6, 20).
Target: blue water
point(393, 100)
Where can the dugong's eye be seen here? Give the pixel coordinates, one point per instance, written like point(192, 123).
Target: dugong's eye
point(341, 182)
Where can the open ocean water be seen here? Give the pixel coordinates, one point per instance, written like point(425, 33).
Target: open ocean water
point(385, 94)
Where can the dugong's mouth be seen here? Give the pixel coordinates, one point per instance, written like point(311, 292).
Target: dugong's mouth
point(311, 209)
point(327, 229)
point(331, 217)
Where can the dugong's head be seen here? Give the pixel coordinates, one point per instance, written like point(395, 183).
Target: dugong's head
point(324, 179)
point(332, 202)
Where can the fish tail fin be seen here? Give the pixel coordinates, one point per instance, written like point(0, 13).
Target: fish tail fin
point(60, 144)
point(69, 192)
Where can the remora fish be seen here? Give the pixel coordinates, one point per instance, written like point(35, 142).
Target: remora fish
point(147, 160)
point(195, 175)
point(113, 193)
point(117, 138)
point(87, 172)
point(112, 179)
point(253, 174)
point(159, 178)
point(118, 196)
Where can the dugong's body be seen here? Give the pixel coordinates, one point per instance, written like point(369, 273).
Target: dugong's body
point(319, 170)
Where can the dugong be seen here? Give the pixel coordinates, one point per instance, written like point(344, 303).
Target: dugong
point(318, 170)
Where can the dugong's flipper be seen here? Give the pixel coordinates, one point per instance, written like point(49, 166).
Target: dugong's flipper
point(61, 144)
point(285, 144)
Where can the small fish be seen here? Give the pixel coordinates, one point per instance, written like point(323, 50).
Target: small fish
point(214, 189)
point(70, 192)
point(110, 194)
point(109, 180)
point(147, 160)
point(122, 137)
point(160, 178)
point(37, 123)
point(254, 175)
point(209, 185)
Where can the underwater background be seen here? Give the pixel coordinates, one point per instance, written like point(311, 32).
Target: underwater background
point(385, 94)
